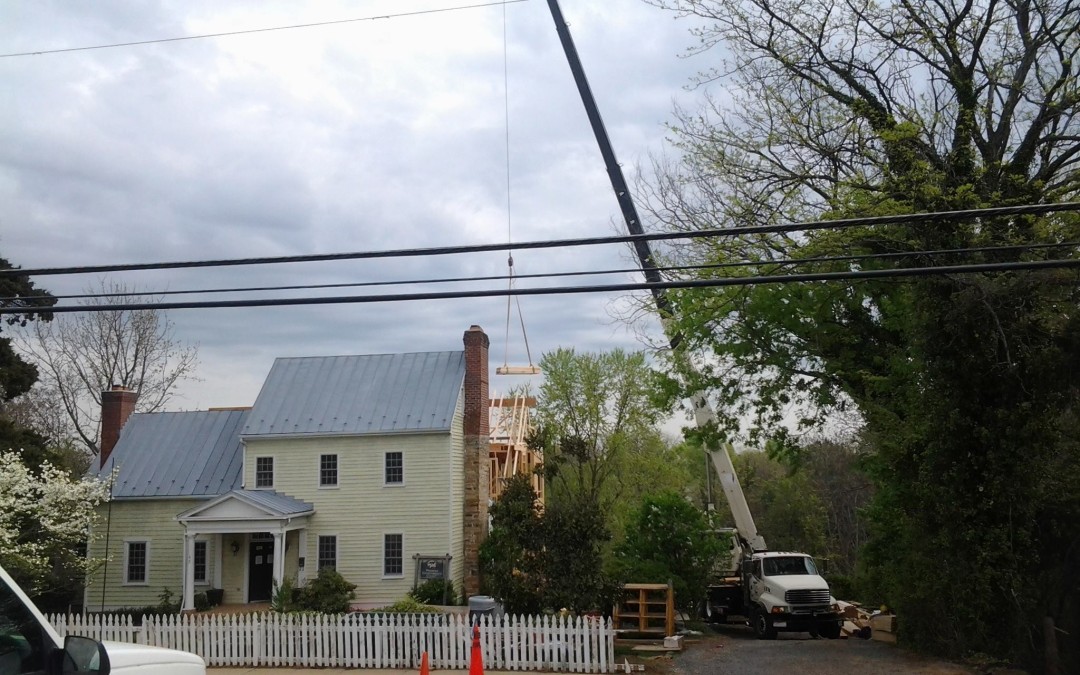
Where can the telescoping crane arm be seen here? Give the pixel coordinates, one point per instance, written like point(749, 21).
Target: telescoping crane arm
point(704, 416)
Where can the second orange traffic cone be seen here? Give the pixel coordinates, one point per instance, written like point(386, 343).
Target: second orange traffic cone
point(424, 670)
point(476, 658)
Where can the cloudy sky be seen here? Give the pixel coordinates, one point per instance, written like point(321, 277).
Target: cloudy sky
point(367, 135)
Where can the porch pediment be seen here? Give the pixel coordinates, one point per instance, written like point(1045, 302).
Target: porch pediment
point(248, 505)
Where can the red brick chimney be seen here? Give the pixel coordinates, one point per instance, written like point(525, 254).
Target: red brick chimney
point(117, 405)
point(477, 442)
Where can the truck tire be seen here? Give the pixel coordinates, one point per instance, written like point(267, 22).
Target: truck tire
point(830, 630)
point(763, 628)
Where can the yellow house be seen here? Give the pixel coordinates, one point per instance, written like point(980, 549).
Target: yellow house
point(368, 464)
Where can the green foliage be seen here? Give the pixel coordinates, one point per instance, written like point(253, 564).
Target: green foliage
point(510, 555)
point(408, 605)
point(537, 559)
point(166, 603)
point(17, 375)
point(328, 593)
point(670, 540)
point(436, 592)
point(572, 560)
point(283, 599)
point(966, 384)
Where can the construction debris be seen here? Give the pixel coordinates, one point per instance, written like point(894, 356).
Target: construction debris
point(856, 620)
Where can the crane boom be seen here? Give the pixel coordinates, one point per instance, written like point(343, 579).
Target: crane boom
point(704, 416)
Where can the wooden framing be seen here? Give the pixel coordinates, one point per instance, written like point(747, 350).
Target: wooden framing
point(508, 453)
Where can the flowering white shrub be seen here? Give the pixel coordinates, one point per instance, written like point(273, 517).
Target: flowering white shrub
point(45, 519)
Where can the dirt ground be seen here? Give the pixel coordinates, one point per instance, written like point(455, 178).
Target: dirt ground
point(734, 650)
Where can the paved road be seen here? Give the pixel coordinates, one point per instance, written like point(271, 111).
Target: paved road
point(733, 649)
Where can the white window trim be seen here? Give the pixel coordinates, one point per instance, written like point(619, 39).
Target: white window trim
point(401, 483)
point(337, 475)
point(273, 473)
point(200, 540)
point(146, 564)
point(382, 561)
point(337, 550)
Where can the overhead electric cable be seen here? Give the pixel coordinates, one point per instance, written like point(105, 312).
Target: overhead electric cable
point(571, 290)
point(781, 262)
point(914, 218)
point(316, 24)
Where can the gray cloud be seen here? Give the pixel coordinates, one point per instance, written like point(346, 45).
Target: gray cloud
point(372, 135)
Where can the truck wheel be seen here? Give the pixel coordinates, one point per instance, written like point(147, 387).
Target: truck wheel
point(830, 630)
point(763, 627)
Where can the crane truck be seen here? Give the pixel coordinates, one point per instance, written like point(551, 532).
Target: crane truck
point(774, 590)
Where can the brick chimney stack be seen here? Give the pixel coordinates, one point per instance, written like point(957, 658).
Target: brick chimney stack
point(117, 404)
point(477, 449)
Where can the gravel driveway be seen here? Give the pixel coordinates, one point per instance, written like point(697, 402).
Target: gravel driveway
point(733, 649)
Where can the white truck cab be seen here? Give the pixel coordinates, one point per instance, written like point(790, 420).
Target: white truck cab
point(787, 594)
point(30, 646)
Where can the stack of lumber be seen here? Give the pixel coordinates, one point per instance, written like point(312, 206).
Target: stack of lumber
point(856, 620)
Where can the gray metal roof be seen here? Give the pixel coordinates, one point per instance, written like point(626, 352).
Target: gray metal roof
point(352, 395)
point(178, 454)
point(275, 501)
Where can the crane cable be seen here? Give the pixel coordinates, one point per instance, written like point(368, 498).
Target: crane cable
point(511, 297)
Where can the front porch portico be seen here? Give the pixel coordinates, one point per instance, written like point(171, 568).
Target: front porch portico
point(262, 517)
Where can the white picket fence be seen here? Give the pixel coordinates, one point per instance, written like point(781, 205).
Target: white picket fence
point(570, 644)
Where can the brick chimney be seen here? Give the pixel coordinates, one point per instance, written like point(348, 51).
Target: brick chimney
point(117, 404)
point(477, 449)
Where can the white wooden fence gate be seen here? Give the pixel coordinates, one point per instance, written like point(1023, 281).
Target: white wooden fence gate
point(570, 644)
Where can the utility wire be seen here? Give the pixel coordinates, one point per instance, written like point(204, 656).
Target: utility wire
point(261, 30)
point(914, 218)
point(854, 257)
point(570, 290)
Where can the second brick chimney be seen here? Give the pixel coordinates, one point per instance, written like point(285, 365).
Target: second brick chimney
point(477, 449)
point(117, 404)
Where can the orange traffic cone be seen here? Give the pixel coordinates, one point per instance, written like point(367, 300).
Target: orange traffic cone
point(424, 670)
point(476, 659)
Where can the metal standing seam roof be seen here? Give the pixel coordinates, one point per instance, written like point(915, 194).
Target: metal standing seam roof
point(275, 501)
point(356, 395)
point(178, 454)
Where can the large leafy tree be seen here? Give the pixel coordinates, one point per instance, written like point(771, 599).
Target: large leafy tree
point(598, 417)
point(967, 384)
point(670, 540)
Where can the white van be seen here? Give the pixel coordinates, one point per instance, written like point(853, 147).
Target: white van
point(30, 646)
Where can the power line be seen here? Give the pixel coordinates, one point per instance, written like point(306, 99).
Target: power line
point(571, 290)
point(915, 218)
point(854, 257)
point(261, 30)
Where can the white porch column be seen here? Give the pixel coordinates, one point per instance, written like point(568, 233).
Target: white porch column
point(302, 553)
point(279, 558)
point(189, 571)
point(219, 559)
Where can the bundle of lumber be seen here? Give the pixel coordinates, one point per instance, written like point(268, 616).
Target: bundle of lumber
point(856, 620)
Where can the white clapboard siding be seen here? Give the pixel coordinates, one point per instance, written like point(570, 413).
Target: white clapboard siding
point(550, 643)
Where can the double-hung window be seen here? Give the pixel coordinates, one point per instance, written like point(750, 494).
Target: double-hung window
point(394, 468)
point(328, 470)
point(327, 551)
point(393, 552)
point(264, 472)
point(200, 562)
point(136, 562)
